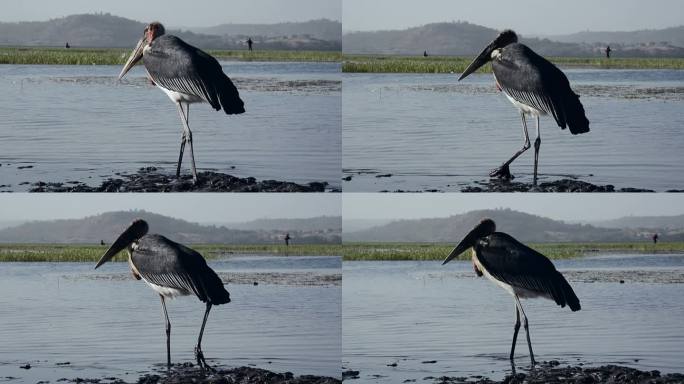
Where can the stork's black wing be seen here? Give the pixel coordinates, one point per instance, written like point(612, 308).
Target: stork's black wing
point(180, 67)
point(516, 264)
point(166, 263)
point(532, 80)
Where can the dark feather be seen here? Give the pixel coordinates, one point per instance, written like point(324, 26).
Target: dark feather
point(514, 263)
point(532, 80)
point(180, 67)
point(163, 262)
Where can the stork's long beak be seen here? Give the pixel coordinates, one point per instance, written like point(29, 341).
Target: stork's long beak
point(137, 230)
point(466, 243)
point(135, 56)
point(479, 61)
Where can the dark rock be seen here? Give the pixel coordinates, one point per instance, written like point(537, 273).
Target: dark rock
point(550, 372)
point(562, 185)
point(392, 364)
point(350, 374)
point(152, 179)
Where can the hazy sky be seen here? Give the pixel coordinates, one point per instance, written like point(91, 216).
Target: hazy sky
point(198, 207)
point(179, 13)
point(559, 206)
point(542, 17)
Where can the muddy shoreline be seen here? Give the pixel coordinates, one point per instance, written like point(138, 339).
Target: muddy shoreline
point(189, 373)
point(153, 179)
point(552, 372)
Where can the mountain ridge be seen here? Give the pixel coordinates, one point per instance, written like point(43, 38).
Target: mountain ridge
point(104, 30)
point(467, 39)
point(107, 226)
point(523, 226)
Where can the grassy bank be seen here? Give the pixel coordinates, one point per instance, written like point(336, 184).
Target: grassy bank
point(92, 253)
point(412, 251)
point(117, 56)
point(449, 64)
point(356, 251)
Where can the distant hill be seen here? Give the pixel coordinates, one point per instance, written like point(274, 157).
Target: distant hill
point(308, 224)
point(668, 222)
point(108, 226)
point(466, 39)
point(109, 31)
point(673, 36)
point(322, 29)
point(523, 226)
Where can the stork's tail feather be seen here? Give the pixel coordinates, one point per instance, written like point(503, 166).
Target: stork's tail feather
point(213, 289)
point(230, 98)
point(575, 116)
point(564, 294)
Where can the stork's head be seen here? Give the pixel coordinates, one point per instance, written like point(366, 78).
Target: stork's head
point(152, 31)
point(485, 228)
point(135, 231)
point(505, 38)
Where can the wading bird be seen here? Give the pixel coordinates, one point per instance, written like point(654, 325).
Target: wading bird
point(535, 86)
point(171, 270)
point(520, 270)
point(187, 75)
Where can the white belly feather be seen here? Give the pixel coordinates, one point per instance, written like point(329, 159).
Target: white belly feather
point(167, 292)
point(177, 97)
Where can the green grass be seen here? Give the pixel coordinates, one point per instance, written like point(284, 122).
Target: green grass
point(417, 251)
point(118, 56)
point(355, 251)
point(453, 64)
point(92, 253)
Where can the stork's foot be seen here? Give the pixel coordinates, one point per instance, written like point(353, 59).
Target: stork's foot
point(201, 361)
point(502, 172)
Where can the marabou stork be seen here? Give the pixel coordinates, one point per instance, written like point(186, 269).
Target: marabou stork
point(535, 86)
point(187, 75)
point(520, 270)
point(171, 270)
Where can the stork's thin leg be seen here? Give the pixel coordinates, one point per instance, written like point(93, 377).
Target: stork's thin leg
point(537, 144)
point(188, 138)
point(516, 328)
point(503, 171)
point(183, 140)
point(198, 349)
point(168, 333)
point(527, 328)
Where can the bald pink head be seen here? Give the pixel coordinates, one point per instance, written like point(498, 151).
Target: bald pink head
point(154, 30)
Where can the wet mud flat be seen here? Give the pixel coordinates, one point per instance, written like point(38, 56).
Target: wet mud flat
point(292, 279)
point(562, 185)
point(153, 179)
point(626, 276)
point(189, 373)
point(551, 372)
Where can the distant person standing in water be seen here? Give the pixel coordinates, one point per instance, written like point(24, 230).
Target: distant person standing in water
point(287, 239)
point(249, 43)
point(425, 54)
point(608, 50)
point(67, 45)
point(655, 238)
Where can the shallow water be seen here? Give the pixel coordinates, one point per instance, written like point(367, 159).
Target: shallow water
point(433, 132)
point(64, 123)
point(410, 313)
point(105, 325)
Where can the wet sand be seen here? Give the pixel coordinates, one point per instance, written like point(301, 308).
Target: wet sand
point(153, 179)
